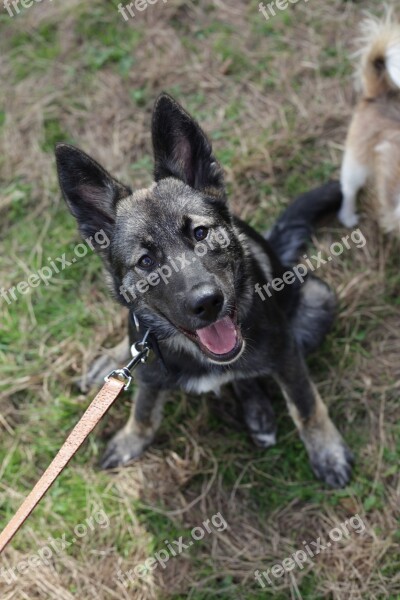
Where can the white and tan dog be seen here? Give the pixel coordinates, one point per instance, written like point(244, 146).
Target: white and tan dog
point(373, 143)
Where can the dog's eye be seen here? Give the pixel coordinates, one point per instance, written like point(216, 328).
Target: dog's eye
point(146, 262)
point(200, 233)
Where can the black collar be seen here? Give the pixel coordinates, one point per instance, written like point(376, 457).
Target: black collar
point(150, 338)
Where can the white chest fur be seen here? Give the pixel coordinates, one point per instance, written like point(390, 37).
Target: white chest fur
point(208, 383)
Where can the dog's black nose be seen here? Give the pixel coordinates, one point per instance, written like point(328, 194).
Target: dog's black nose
point(205, 303)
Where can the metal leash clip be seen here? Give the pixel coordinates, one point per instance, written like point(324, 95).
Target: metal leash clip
point(140, 353)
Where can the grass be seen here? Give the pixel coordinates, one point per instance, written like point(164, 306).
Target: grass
point(276, 97)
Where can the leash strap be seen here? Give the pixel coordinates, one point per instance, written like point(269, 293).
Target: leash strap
point(115, 382)
point(96, 410)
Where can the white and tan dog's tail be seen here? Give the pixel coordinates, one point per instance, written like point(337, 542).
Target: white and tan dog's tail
point(380, 63)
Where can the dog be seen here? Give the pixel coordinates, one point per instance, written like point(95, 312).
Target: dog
point(211, 327)
point(372, 150)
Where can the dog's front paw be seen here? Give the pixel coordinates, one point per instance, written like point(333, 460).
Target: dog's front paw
point(349, 220)
point(124, 447)
point(332, 463)
point(264, 440)
point(96, 373)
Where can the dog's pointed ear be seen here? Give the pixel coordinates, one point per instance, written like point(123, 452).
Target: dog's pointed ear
point(182, 149)
point(90, 192)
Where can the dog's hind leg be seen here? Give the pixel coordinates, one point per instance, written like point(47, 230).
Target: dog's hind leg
point(131, 441)
point(257, 412)
point(314, 315)
point(330, 458)
point(113, 358)
point(387, 177)
point(353, 177)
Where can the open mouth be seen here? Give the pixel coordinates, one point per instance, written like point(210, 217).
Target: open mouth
point(222, 341)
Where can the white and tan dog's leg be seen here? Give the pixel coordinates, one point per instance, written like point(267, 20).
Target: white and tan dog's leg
point(353, 178)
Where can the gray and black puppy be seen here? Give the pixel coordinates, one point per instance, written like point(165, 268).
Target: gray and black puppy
point(189, 270)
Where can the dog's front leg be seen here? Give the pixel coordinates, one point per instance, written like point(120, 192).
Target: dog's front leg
point(257, 411)
point(110, 360)
point(330, 458)
point(131, 441)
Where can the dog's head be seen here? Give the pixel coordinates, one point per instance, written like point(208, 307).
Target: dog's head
point(174, 255)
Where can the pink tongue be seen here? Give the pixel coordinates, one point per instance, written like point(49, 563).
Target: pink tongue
point(220, 337)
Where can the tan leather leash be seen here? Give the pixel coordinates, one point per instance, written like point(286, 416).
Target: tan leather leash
point(115, 382)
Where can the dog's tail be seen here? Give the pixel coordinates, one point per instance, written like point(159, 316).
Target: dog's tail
point(380, 62)
point(294, 227)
